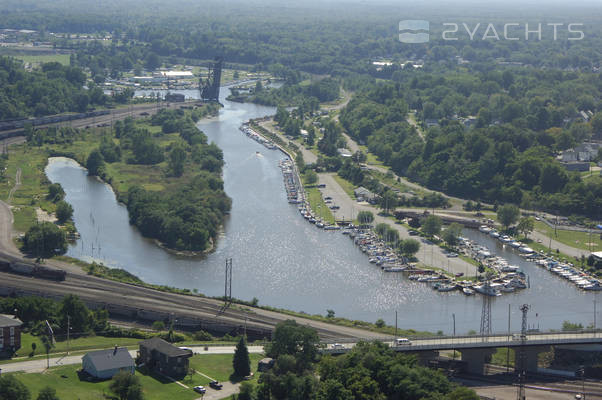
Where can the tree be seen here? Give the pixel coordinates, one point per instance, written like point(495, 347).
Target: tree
point(34, 346)
point(311, 177)
point(452, 233)
point(526, 225)
point(246, 391)
point(55, 192)
point(463, 393)
point(44, 240)
point(13, 389)
point(508, 214)
point(158, 325)
point(241, 361)
point(126, 386)
point(47, 393)
point(409, 247)
point(79, 316)
point(330, 313)
point(388, 201)
point(177, 159)
point(95, 163)
point(365, 217)
point(432, 225)
point(64, 211)
point(296, 340)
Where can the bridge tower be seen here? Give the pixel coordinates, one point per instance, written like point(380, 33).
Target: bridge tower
point(210, 88)
point(486, 312)
point(522, 355)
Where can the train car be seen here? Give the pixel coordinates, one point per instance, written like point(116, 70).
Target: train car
point(4, 265)
point(22, 268)
point(49, 273)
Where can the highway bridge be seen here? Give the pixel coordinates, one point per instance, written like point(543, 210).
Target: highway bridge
point(477, 349)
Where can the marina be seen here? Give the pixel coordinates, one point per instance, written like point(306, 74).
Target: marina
point(286, 262)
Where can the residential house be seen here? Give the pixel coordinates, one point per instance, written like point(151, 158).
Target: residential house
point(104, 364)
point(10, 334)
point(164, 358)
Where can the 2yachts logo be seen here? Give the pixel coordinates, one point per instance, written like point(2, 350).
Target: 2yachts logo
point(418, 31)
point(414, 31)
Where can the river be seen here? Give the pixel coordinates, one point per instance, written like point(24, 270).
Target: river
point(286, 262)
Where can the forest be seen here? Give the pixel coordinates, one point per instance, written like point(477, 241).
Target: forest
point(522, 120)
point(52, 89)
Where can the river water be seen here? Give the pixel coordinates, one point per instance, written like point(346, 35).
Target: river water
point(286, 262)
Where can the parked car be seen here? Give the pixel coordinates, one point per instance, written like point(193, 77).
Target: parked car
point(200, 389)
point(412, 233)
point(216, 385)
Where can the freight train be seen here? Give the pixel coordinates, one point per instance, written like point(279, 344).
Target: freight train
point(20, 123)
point(33, 270)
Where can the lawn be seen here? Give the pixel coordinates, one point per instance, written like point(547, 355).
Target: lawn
point(317, 204)
point(575, 239)
point(219, 366)
point(82, 343)
point(68, 385)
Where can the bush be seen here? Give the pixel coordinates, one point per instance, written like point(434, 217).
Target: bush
point(203, 336)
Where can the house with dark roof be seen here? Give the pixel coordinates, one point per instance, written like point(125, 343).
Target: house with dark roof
point(10, 334)
point(104, 364)
point(164, 358)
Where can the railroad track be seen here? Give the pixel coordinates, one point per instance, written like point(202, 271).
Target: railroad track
point(98, 291)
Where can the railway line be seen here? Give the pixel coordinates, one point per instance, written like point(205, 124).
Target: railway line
point(144, 303)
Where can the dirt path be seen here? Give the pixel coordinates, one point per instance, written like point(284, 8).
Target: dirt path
point(17, 185)
point(7, 220)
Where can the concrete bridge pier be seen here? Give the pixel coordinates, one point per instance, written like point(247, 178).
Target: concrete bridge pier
point(476, 359)
point(425, 357)
point(531, 356)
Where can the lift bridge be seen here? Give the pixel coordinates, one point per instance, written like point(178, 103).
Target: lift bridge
point(210, 87)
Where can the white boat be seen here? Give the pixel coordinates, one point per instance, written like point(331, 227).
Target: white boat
point(494, 234)
point(446, 288)
point(526, 250)
point(468, 291)
point(394, 269)
point(516, 244)
point(485, 229)
point(487, 290)
point(509, 268)
point(505, 239)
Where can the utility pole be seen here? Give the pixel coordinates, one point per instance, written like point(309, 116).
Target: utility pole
point(68, 330)
point(523, 341)
point(508, 348)
point(395, 323)
point(454, 318)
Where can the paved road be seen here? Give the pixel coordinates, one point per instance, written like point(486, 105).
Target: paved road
point(39, 365)
point(429, 254)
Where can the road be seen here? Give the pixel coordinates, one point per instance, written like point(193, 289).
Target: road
point(429, 254)
point(39, 365)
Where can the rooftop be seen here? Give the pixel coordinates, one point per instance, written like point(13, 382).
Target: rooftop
point(111, 358)
point(164, 347)
point(7, 321)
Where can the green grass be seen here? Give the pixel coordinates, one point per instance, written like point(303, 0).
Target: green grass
point(82, 343)
point(347, 186)
point(68, 385)
point(219, 366)
point(575, 239)
point(317, 204)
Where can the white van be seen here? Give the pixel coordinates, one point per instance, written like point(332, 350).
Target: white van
point(402, 342)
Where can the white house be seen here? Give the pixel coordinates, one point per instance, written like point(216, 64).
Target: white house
point(104, 364)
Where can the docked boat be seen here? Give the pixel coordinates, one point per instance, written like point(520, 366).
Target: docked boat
point(515, 244)
point(487, 290)
point(394, 269)
point(485, 229)
point(526, 250)
point(494, 234)
point(468, 291)
point(446, 288)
